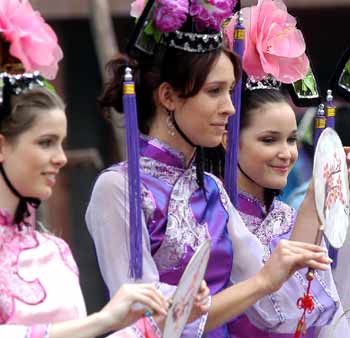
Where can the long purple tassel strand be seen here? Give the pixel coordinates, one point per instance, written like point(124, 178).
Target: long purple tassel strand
point(231, 158)
point(132, 139)
point(320, 124)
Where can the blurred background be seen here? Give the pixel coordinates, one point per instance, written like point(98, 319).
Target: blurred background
point(92, 31)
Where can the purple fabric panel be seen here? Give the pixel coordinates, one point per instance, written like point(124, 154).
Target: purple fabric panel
point(250, 207)
point(242, 328)
point(210, 211)
point(154, 149)
point(214, 214)
point(161, 192)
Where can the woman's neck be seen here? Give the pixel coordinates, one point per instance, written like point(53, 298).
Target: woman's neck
point(8, 200)
point(247, 185)
point(159, 130)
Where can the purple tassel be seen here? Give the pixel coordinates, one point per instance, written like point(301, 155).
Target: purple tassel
point(132, 139)
point(330, 122)
point(231, 158)
point(320, 124)
point(330, 110)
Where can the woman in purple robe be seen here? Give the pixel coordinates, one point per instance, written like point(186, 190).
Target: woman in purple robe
point(267, 153)
point(184, 102)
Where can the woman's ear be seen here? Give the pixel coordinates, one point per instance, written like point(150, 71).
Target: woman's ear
point(166, 96)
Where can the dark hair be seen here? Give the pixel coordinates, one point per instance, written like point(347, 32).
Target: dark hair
point(185, 72)
point(342, 123)
point(255, 99)
point(24, 110)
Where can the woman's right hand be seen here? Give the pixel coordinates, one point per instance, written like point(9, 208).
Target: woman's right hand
point(121, 311)
point(288, 257)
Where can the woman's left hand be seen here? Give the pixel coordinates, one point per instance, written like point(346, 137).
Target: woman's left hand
point(201, 304)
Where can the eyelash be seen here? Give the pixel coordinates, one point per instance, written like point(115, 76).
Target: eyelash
point(270, 140)
point(218, 90)
point(46, 143)
point(292, 139)
point(214, 90)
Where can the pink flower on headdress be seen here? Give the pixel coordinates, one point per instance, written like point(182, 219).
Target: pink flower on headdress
point(211, 13)
point(137, 7)
point(170, 15)
point(32, 41)
point(273, 44)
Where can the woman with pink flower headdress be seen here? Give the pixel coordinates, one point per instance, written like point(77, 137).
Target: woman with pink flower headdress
point(40, 295)
point(274, 55)
point(183, 72)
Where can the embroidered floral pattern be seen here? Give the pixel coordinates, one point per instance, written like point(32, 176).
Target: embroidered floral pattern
point(183, 231)
point(12, 286)
point(278, 221)
point(166, 173)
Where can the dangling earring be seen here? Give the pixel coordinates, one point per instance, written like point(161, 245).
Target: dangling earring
point(170, 123)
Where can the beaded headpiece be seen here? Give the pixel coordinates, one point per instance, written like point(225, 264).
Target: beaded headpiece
point(190, 25)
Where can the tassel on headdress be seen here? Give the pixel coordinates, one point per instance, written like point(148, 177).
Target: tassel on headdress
point(320, 124)
point(330, 110)
point(132, 140)
point(231, 156)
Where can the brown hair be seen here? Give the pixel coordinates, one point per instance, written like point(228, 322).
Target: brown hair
point(25, 109)
point(185, 72)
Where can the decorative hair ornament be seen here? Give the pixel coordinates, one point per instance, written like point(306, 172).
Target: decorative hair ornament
point(193, 26)
point(30, 39)
point(268, 82)
point(275, 49)
point(193, 42)
point(16, 85)
point(274, 46)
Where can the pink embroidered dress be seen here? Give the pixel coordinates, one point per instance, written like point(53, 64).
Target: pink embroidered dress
point(39, 281)
point(39, 285)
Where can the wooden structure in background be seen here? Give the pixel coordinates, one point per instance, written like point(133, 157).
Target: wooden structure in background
point(80, 8)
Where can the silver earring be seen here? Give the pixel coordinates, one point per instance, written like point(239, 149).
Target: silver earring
point(170, 124)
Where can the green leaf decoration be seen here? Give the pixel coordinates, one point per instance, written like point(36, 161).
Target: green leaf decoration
point(306, 87)
point(49, 86)
point(345, 77)
point(347, 66)
point(151, 30)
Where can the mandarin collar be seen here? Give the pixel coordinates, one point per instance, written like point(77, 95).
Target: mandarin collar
point(160, 151)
